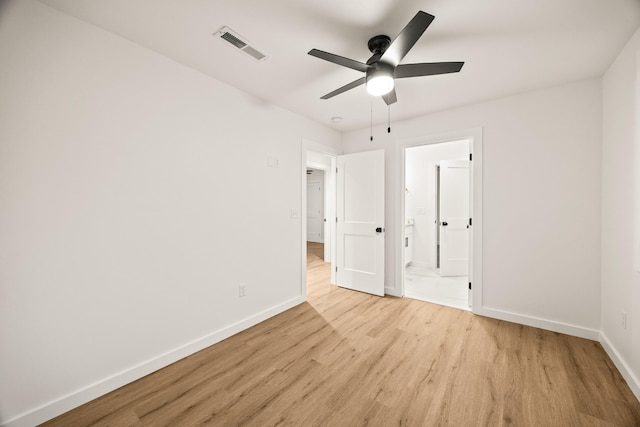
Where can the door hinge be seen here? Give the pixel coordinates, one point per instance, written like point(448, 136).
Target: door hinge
point(336, 170)
point(470, 221)
point(336, 219)
point(470, 156)
point(336, 268)
point(469, 285)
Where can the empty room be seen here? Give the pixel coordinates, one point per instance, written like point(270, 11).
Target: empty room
point(307, 213)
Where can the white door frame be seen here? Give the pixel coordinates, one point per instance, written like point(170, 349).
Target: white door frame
point(330, 177)
point(475, 235)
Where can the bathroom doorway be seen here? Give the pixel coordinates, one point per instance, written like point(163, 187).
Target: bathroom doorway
point(437, 219)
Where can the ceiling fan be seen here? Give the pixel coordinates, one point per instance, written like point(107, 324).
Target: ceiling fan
point(384, 65)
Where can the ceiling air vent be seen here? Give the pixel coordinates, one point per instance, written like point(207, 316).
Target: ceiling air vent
point(234, 39)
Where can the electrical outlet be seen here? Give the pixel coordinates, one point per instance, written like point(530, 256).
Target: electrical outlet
point(242, 290)
point(623, 319)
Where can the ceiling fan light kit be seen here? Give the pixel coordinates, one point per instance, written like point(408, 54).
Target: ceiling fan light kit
point(380, 84)
point(380, 80)
point(384, 65)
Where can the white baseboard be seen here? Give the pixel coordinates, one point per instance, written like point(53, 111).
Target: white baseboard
point(550, 325)
point(73, 400)
point(392, 292)
point(623, 367)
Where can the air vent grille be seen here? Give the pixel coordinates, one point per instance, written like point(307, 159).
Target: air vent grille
point(233, 40)
point(239, 42)
point(255, 53)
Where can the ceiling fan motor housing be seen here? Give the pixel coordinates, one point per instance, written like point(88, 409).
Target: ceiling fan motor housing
point(378, 69)
point(378, 45)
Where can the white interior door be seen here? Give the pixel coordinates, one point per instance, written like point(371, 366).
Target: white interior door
point(360, 222)
point(454, 218)
point(328, 194)
point(315, 212)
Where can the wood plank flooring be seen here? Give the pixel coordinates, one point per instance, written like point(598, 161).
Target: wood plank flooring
point(345, 358)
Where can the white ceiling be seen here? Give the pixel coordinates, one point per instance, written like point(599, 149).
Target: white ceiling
point(509, 46)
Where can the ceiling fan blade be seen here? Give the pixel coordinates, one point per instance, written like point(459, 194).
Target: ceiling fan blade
point(340, 60)
point(407, 38)
point(426, 69)
point(345, 88)
point(390, 98)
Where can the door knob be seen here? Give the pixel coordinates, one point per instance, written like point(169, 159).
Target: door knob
point(445, 223)
point(379, 230)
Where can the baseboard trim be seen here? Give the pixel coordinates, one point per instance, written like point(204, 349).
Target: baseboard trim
point(100, 388)
point(392, 292)
point(536, 322)
point(627, 373)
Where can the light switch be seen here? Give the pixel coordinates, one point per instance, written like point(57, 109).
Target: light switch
point(273, 162)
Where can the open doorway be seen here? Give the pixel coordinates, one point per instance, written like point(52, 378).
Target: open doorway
point(320, 200)
point(316, 215)
point(318, 206)
point(436, 230)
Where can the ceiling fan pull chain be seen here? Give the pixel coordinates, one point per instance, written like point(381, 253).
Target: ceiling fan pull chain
point(371, 132)
point(388, 118)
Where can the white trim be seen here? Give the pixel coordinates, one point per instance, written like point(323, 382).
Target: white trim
point(475, 148)
point(625, 370)
point(73, 400)
point(392, 292)
point(537, 322)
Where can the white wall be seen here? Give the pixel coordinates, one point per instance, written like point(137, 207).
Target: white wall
point(129, 191)
point(541, 198)
point(421, 193)
point(621, 212)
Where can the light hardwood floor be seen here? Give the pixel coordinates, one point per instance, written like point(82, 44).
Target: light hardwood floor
point(345, 358)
